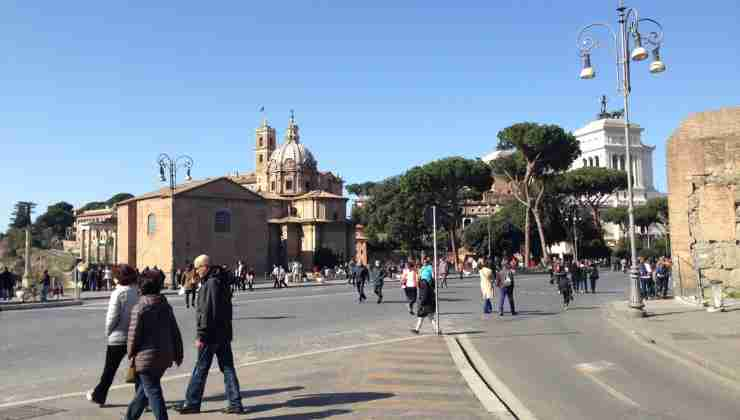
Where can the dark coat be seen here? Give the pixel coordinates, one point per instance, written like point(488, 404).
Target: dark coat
point(154, 340)
point(427, 299)
point(378, 275)
point(214, 311)
point(5, 279)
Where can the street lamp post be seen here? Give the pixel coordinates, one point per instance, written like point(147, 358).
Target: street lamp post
point(629, 22)
point(168, 171)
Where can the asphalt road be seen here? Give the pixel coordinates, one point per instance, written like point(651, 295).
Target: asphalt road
point(572, 365)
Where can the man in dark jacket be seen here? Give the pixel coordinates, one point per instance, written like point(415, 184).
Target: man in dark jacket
point(378, 274)
point(361, 278)
point(5, 289)
point(214, 335)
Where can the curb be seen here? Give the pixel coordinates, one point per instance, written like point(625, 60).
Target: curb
point(487, 384)
point(488, 399)
point(38, 305)
point(725, 373)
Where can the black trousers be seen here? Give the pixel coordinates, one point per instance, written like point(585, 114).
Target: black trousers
point(361, 289)
point(662, 286)
point(593, 285)
point(113, 357)
point(189, 298)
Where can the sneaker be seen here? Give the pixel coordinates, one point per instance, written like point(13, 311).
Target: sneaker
point(415, 331)
point(187, 410)
point(233, 410)
point(89, 397)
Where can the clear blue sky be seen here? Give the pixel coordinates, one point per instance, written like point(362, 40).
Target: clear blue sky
point(91, 92)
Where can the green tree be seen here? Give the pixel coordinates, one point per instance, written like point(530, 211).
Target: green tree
point(591, 187)
point(617, 216)
point(505, 240)
point(645, 216)
point(540, 151)
point(58, 218)
point(362, 189)
point(446, 183)
point(21, 216)
point(93, 205)
point(118, 198)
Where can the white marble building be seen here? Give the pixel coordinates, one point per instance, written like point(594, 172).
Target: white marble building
point(602, 145)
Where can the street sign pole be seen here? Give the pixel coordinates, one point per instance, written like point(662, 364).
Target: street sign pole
point(435, 269)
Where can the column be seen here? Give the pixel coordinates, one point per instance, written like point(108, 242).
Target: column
point(89, 245)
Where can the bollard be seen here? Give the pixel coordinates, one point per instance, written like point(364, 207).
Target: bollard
point(717, 301)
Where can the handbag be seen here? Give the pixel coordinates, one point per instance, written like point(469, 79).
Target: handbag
point(131, 373)
point(181, 292)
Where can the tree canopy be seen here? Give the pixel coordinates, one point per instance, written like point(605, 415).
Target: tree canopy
point(591, 187)
point(21, 216)
point(97, 205)
point(540, 151)
point(58, 218)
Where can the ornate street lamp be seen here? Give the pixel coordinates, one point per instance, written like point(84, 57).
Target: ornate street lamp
point(629, 25)
point(168, 172)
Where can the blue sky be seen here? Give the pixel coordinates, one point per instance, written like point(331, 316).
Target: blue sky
point(92, 92)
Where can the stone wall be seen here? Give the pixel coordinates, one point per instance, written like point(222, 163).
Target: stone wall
point(704, 199)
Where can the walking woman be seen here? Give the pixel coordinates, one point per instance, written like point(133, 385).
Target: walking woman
point(154, 344)
point(122, 300)
point(486, 287)
point(409, 283)
point(189, 284)
point(427, 298)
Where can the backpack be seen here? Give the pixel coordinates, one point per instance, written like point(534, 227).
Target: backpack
point(508, 279)
point(661, 271)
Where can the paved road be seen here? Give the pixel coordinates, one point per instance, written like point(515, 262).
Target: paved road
point(571, 365)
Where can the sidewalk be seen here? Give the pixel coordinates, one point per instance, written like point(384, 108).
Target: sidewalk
point(412, 377)
point(711, 340)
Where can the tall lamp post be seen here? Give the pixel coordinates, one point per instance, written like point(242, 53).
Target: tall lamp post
point(629, 26)
point(168, 171)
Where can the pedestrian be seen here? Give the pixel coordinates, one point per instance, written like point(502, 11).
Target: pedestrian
point(108, 278)
point(505, 284)
point(5, 289)
point(427, 306)
point(646, 277)
point(117, 320)
point(442, 272)
point(281, 276)
point(214, 336)
point(190, 283)
point(564, 285)
point(661, 276)
point(362, 276)
point(486, 287)
point(378, 273)
point(45, 285)
point(250, 279)
point(275, 277)
point(154, 344)
point(593, 276)
point(409, 283)
point(92, 279)
point(240, 273)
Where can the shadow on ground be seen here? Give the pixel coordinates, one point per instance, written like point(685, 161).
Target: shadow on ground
point(319, 400)
point(265, 318)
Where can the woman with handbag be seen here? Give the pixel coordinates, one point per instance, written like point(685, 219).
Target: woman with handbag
point(486, 287)
point(122, 300)
point(154, 344)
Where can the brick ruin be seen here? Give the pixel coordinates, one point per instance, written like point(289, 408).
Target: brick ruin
point(703, 158)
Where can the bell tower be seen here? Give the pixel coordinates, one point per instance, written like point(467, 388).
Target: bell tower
point(264, 146)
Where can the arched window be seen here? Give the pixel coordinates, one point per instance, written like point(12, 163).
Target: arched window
point(585, 163)
point(151, 224)
point(596, 161)
point(288, 185)
point(222, 221)
point(261, 158)
point(590, 162)
point(260, 141)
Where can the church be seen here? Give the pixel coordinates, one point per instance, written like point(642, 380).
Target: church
point(286, 210)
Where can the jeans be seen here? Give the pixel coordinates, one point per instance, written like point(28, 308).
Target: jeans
point(662, 286)
point(593, 285)
point(194, 393)
point(113, 357)
point(487, 306)
point(505, 292)
point(644, 286)
point(149, 392)
point(379, 292)
point(44, 293)
point(411, 294)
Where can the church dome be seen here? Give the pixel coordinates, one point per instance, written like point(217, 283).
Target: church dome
point(291, 155)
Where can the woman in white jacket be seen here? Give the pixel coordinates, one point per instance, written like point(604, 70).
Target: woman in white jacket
point(122, 300)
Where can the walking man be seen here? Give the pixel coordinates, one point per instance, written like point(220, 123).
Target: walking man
point(378, 274)
point(5, 288)
point(505, 284)
point(275, 277)
point(214, 332)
